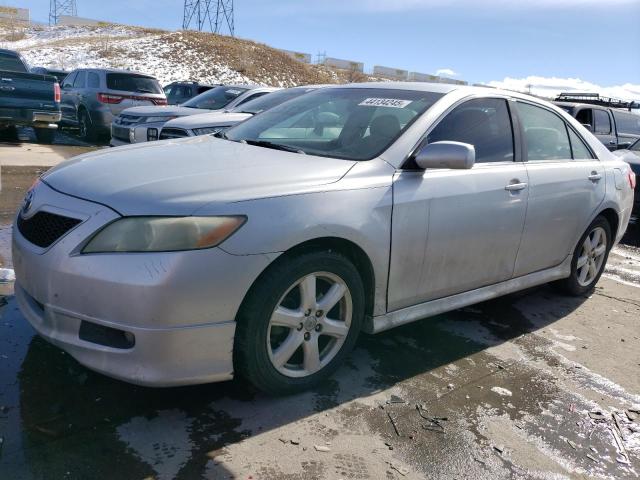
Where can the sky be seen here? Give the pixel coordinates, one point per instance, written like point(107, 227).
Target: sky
point(513, 43)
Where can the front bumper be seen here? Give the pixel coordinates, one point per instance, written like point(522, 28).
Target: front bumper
point(126, 135)
point(180, 306)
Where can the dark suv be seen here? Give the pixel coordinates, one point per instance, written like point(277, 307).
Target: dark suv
point(92, 97)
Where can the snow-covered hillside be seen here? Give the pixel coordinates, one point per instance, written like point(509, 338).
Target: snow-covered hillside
point(169, 56)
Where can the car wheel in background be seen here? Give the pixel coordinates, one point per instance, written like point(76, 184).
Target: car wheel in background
point(45, 135)
point(86, 129)
point(299, 322)
point(589, 258)
point(9, 134)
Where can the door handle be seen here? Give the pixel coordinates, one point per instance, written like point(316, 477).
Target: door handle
point(514, 187)
point(595, 177)
point(612, 142)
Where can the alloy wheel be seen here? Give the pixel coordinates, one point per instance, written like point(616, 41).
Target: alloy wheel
point(309, 325)
point(592, 255)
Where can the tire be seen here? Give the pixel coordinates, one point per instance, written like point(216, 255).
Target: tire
point(9, 134)
point(45, 135)
point(87, 131)
point(260, 344)
point(578, 283)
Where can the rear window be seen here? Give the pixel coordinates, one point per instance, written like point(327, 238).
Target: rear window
point(627, 122)
point(11, 63)
point(132, 83)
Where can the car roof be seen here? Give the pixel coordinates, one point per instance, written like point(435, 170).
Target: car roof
point(113, 70)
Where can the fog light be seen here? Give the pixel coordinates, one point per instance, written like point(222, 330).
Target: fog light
point(152, 134)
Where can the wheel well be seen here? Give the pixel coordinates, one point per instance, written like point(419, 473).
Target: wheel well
point(347, 248)
point(611, 216)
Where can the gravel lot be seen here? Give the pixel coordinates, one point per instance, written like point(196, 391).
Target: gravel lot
point(533, 385)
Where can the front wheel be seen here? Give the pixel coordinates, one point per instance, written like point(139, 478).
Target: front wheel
point(589, 258)
point(299, 322)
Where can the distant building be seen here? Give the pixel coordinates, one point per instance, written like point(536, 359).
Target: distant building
point(299, 56)
point(422, 77)
point(79, 21)
point(14, 13)
point(394, 73)
point(344, 64)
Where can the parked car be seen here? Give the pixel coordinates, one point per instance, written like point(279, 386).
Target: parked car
point(632, 157)
point(614, 127)
point(92, 97)
point(27, 99)
point(215, 122)
point(265, 253)
point(180, 92)
point(143, 124)
point(59, 74)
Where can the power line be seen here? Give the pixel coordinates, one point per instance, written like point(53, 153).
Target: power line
point(57, 8)
point(212, 15)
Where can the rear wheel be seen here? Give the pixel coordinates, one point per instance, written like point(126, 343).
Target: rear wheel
point(589, 258)
point(45, 135)
point(86, 129)
point(299, 322)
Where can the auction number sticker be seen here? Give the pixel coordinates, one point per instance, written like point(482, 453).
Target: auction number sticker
point(385, 102)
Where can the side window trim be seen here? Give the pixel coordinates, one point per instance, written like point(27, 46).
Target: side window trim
point(517, 141)
point(570, 130)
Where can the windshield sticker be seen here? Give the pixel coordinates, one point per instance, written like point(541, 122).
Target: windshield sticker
point(234, 92)
point(385, 102)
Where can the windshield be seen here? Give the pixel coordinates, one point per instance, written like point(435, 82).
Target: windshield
point(127, 82)
point(271, 100)
point(216, 98)
point(349, 123)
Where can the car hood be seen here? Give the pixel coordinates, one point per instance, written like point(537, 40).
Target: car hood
point(177, 177)
point(212, 119)
point(163, 111)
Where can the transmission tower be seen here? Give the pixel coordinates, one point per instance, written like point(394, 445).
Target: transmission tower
point(212, 15)
point(58, 8)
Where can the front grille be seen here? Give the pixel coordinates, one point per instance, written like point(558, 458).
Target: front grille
point(128, 120)
point(168, 133)
point(121, 133)
point(44, 228)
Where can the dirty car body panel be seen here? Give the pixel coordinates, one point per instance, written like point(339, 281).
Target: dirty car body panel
point(436, 239)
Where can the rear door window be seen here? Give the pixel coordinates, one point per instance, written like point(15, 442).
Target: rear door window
point(126, 82)
point(93, 80)
point(627, 122)
point(545, 133)
point(603, 123)
point(484, 123)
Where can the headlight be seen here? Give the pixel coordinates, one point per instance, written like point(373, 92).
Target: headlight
point(163, 234)
point(209, 130)
point(158, 119)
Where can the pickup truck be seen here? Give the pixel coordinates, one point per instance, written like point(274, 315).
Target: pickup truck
point(616, 128)
point(28, 99)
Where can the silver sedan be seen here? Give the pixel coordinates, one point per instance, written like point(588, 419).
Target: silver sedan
point(352, 208)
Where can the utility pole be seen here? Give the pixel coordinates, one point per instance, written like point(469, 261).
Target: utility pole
point(212, 15)
point(57, 8)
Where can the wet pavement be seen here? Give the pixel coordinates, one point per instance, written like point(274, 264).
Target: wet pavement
point(533, 385)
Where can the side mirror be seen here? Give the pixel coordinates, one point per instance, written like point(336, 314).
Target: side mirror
point(455, 155)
